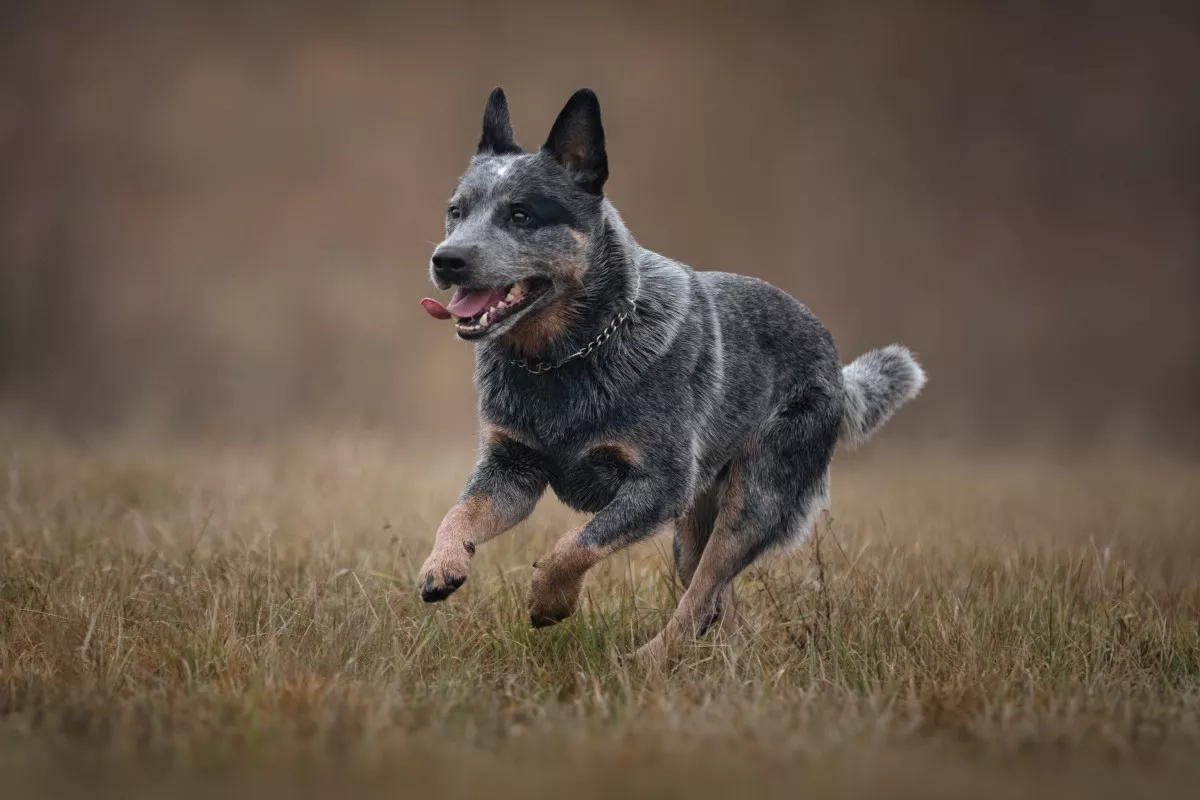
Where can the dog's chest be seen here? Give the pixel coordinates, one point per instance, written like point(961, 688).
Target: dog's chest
point(585, 467)
point(585, 471)
point(587, 480)
point(584, 445)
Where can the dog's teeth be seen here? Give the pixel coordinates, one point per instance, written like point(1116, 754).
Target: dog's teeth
point(517, 289)
point(483, 321)
point(510, 298)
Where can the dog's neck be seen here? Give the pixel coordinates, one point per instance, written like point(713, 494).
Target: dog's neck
point(612, 283)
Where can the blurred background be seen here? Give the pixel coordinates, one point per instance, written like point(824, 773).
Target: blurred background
point(216, 217)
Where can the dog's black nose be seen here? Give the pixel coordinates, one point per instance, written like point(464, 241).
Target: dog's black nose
point(451, 263)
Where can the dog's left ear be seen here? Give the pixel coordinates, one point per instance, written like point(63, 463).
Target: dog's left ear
point(577, 141)
point(497, 137)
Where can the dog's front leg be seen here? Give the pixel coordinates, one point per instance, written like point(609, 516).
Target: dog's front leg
point(502, 491)
point(639, 510)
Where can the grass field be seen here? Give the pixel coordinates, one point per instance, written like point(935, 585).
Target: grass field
point(244, 621)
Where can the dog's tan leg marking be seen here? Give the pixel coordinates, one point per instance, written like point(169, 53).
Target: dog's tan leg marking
point(469, 523)
point(710, 591)
point(729, 620)
point(700, 606)
point(558, 579)
point(688, 530)
point(502, 491)
point(620, 450)
point(693, 530)
point(498, 435)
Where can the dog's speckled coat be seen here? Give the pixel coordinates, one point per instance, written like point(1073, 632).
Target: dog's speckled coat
point(715, 408)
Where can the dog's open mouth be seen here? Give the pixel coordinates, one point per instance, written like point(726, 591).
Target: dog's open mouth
point(477, 311)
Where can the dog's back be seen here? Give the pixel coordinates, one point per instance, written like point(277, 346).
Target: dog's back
point(751, 351)
point(791, 351)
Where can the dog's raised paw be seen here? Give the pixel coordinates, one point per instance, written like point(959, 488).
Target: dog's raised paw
point(434, 590)
point(445, 570)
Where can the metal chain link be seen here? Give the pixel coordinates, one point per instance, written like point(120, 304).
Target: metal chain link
point(542, 367)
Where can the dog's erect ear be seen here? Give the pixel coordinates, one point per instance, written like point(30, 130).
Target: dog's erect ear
point(497, 136)
point(577, 141)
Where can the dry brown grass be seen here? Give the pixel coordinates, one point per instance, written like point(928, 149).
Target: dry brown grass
point(213, 619)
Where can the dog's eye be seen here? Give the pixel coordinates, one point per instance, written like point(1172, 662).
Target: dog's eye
point(520, 216)
point(455, 212)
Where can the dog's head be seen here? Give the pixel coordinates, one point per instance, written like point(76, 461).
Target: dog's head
point(519, 227)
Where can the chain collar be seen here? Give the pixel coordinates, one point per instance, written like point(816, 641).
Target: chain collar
point(542, 367)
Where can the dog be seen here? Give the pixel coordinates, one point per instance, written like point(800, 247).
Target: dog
point(641, 391)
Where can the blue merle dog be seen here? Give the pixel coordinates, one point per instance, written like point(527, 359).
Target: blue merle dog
point(639, 389)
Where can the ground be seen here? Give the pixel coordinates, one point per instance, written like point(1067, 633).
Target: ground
point(243, 620)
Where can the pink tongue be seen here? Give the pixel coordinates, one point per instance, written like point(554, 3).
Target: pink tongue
point(434, 308)
point(469, 302)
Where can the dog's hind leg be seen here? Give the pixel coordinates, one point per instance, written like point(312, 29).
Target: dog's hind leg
point(692, 531)
point(774, 492)
point(739, 537)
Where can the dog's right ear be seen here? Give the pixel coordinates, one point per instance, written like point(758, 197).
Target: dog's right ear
point(497, 136)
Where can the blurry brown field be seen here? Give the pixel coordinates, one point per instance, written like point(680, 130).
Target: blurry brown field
point(195, 615)
point(215, 222)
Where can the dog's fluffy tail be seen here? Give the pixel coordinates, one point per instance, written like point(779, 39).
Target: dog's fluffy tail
point(877, 384)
